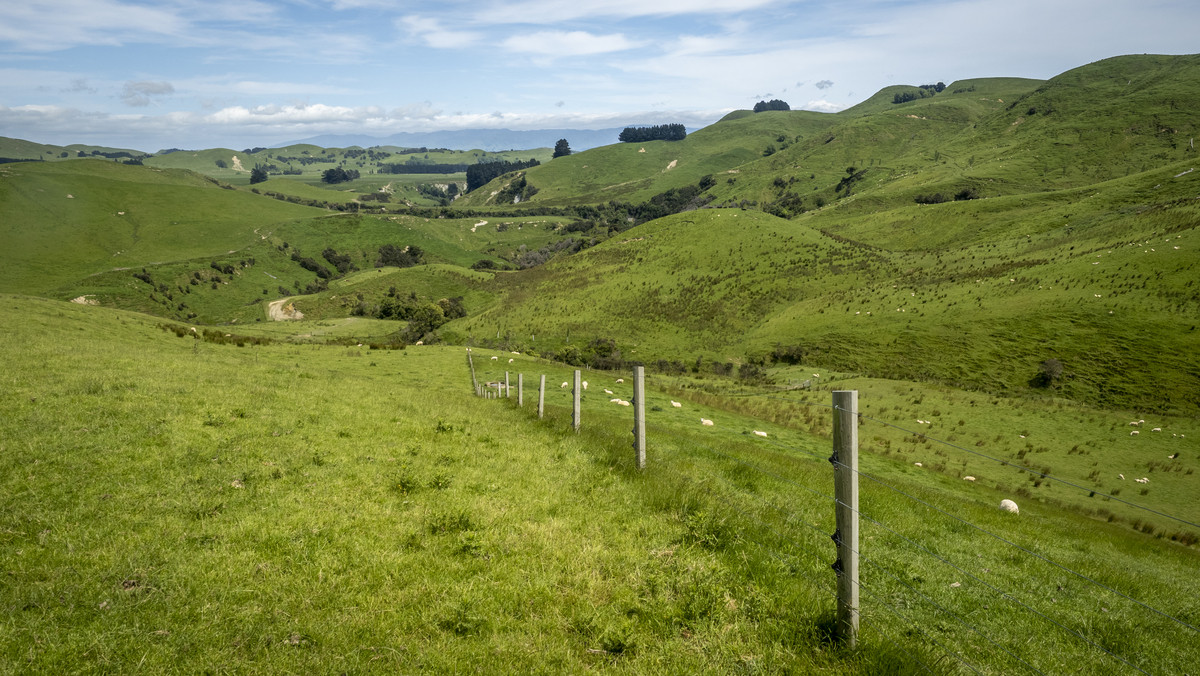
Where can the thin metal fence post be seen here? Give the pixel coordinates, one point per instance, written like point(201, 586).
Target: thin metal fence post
point(639, 416)
point(845, 492)
point(577, 395)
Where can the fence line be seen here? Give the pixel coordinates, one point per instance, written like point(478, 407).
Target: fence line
point(790, 518)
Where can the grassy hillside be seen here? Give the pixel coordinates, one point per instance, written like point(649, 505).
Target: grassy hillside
point(62, 221)
point(265, 509)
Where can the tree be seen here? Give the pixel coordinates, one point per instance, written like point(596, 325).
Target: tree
point(773, 104)
point(562, 148)
point(258, 174)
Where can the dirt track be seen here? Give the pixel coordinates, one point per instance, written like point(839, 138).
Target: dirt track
point(283, 309)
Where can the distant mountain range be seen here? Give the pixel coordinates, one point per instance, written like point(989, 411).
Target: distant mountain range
point(471, 139)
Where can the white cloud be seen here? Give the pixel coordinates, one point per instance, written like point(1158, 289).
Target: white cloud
point(139, 93)
point(562, 43)
point(431, 32)
point(555, 11)
point(52, 25)
point(822, 106)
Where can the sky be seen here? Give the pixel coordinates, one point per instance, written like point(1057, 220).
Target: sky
point(155, 74)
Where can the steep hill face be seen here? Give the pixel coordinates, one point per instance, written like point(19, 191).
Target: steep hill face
point(966, 237)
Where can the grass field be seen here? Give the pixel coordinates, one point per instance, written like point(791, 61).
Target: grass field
point(289, 508)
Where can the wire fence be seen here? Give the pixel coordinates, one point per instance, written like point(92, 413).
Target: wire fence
point(1017, 602)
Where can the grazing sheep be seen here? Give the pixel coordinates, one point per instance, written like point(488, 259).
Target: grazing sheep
point(584, 383)
point(495, 358)
point(968, 478)
point(1133, 433)
point(615, 401)
point(1121, 477)
point(620, 380)
point(608, 391)
point(1010, 506)
point(1156, 429)
point(760, 433)
point(1143, 480)
point(1172, 456)
point(511, 361)
point(676, 404)
point(624, 403)
point(706, 422)
point(563, 385)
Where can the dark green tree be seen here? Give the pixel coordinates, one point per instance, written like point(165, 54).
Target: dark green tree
point(562, 148)
point(258, 174)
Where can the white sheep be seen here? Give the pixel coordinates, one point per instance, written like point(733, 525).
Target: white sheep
point(1143, 480)
point(918, 464)
point(620, 380)
point(706, 422)
point(563, 385)
point(1133, 433)
point(615, 400)
point(511, 360)
point(1010, 506)
point(608, 391)
point(1156, 429)
point(760, 433)
point(624, 403)
point(676, 404)
point(584, 383)
point(495, 358)
point(1121, 477)
point(968, 478)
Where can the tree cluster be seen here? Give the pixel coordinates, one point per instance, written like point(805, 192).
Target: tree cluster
point(340, 261)
point(478, 175)
point(773, 104)
point(659, 132)
point(338, 175)
point(422, 168)
point(561, 148)
point(401, 257)
point(922, 92)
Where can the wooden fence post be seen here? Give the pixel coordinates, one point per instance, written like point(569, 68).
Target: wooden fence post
point(577, 395)
point(639, 416)
point(520, 389)
point(542, 397)
point(507, 390)
point(845, 493)
point(471, 363)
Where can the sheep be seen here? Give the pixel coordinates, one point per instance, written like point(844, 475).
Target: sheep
point(1172, 456)
point(1010, 506)
point(615, 400)
point(968, 478)
point(918, 464)
point(584, 383)
point(676, 404)
point(511, 361)
point(1143, 480)
point(760, 433)
point(563, 385)
point(495, 358)
point(1156, 429)
point(1121, 477)
point(620, 380)
point(706, 422)
point(608, 391)
point(624, 403)
point(1133, 433)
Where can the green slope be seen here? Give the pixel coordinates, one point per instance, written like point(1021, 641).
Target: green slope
point(63, 221)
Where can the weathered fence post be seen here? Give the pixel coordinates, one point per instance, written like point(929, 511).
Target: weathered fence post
point(845, 493)
point(577, 395)
point(520, 389)
point(507, 390)
point(542, 397)
point(471, 363)
point(639, 416)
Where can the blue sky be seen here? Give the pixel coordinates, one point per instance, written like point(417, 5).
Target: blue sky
point(236, 73)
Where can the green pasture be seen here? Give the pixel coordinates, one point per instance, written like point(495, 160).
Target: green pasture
point(175, 504)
